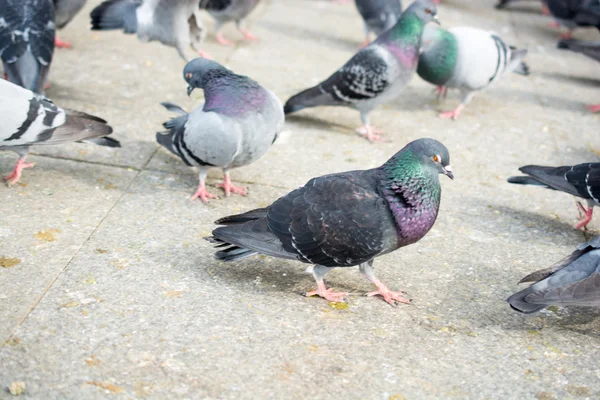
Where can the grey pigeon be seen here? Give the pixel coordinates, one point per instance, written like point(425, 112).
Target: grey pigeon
point(467, 59)
point(27, 41)
point(575, 13)
point(235, 126)
point(65, 11)
point(376, 74)
point(573, 281)
point(30, 119)
point(224, 11)
point(175, 23)
point(345, 219)
point(503, 3)
point(582, 180)
point(378, 15)
point(590, 49)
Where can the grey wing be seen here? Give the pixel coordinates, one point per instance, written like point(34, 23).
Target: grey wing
point(65, 11)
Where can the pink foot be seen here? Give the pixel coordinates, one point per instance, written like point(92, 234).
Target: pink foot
point(328, 294)
point(248, 35)
point(370, 132)
point(59, 43)
point(47, 85)
point(554, 25)
point(587, 216)
point(566, 35)
point(593, 107)
point(452, 114)
point(16, 174)
point(545, 10)
point(203, 194)
point(222, 41)
point(389, 296)
point(204, 54)
point(228, 187)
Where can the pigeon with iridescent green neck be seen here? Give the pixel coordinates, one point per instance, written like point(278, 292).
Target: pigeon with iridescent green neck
point(467, 59)
point(345, 219)
point(377, 73)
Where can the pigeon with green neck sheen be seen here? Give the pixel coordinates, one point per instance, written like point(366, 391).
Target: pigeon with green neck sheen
point(345, 219)
point(377, 74)
point(467, 59)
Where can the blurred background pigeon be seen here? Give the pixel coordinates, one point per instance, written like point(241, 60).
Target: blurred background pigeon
point(378, 15)
point(65, 11)
point(224, 11)
point(590, 49)
point(575, 13)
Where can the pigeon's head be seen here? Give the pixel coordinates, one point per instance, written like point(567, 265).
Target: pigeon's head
point(195, 70)
point(426, 10)
point(431, 154)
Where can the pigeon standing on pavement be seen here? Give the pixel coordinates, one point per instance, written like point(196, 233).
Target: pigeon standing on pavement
point(467, 59)
point(236, 125)
point(175, 23)
point(377, 73)
point(590, 49)
point(224, 11)
point(65, 11)
point(30, 119)
point(575, 13)
point(378, 15)
point(27, 41)
point(582, 180)
point(345, 219)
point(573, 281)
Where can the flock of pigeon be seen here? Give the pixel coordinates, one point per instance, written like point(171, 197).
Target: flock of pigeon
point(339, 220)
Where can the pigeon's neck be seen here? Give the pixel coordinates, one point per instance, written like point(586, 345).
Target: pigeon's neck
point(413, 195)
point(403, 40)
point(438, 62)
point(230, 94)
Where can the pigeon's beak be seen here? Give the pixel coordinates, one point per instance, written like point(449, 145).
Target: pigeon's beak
point(436, 20)
point(190, 89)
point(448, 172)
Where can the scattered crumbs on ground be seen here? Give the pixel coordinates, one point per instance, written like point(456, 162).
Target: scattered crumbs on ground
point(47, 235)
point(174, 293)
point(545, 396)
point(142, 389)
point(89, 281)
point(70, 304)
point(14, 341)
point(338, 305)
point(17, 388)
point(575, 390)
point(108, 386)
point(100, 251)
point(397, 397)
point(7, 262)
point(93, 361)
point(554, 309)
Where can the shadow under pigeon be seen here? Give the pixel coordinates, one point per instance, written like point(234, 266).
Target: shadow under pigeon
point(584, 81)
point(531, 7)
point(540, 222)
point(322, 37)
point(310, 121)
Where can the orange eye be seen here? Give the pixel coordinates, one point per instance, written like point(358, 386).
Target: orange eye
point(188, 75)
point(427, 11)
point(437, 159)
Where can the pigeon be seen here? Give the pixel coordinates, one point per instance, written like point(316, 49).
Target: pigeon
point(377, 73)
point(582, 180)
point(234, 127)
point(378, 15)
point(31, 119)
point(573, 281)
point(345, 219)
point(503, 3)
point(224, 11)
point(575, 13)
point(174, 23)
point(65, 11)
point(27, 41)
point(467, 59)
point(590, 49)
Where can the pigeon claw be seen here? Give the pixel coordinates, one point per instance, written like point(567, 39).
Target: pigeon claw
point(17, 171)
point(328, 294)
point(229, 188)
point(203, 194)
point(248, 35)
point(60, 44)
point(587, 216)
point(370, 132)
point(593, 107)
point(390, 296)
point(452, 114)
point(222, 41)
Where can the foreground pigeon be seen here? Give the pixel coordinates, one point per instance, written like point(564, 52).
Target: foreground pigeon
point(65, 11)
point(30, 119)
point(467, 59)
point(224, 11)
point(27, 41)
point(378, 15)
point(590, 49)
point(582, 180)
point(573, 281)
point(234, 127)
point(345, 219)
point(377, 73)
point(175, 23)
point(575, 13)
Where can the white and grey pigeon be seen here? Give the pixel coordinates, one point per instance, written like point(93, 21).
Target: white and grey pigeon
point(30, 119)
point(27, 41)
point(175, 23)
point(236, 125)
point(376, 74)
point(573, 281)
point(378, 15)
point(224, 11)
point(467, 59)
point(65, 11)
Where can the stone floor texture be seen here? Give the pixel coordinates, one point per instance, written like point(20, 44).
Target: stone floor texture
point(108, 290)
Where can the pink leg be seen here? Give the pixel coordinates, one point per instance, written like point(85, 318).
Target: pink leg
point(248, 35)
point(554, 25)
point(222, 41)
point(370, 132)
point(587, 216)
point(452, 114)
point(545, 10)
point(229, 188)
point(204, 54)
point(203, 193)
point(328, 294)
point(16, 174)
point(59, 43)
point(566, 35)
point(441, 91)
point(382, 290)
point(593, 107)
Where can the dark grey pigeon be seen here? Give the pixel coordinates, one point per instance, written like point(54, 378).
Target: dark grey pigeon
point(345, 219)
point(30, 119)
point(224, 11)
point(27, 41)
point(573, 281)
point(376, 74)
point(590, 49)
point(378, 15)
point(175, 23)
point(65, 11)
point(582, 180)
point(236, 125)
point(575, 13)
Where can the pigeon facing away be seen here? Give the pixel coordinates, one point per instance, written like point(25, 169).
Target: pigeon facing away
point(27, 41)
point(224, 11)
point(345, 219)
point(234, 127)
point(378, 15)
point(582, 180)
point(575, 13)
point(377, 73)
point(65, 11)
point(30, 119)
point(590, 49)
point(467, 59)
point(175, 23)
point(573, 281)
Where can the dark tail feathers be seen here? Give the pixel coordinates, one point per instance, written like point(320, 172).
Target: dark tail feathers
point(312, 97)
point(173, 108)
point(116, 14)
point(526, 180)
point(230, 252)
point(518, 303)
point(105, 141)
